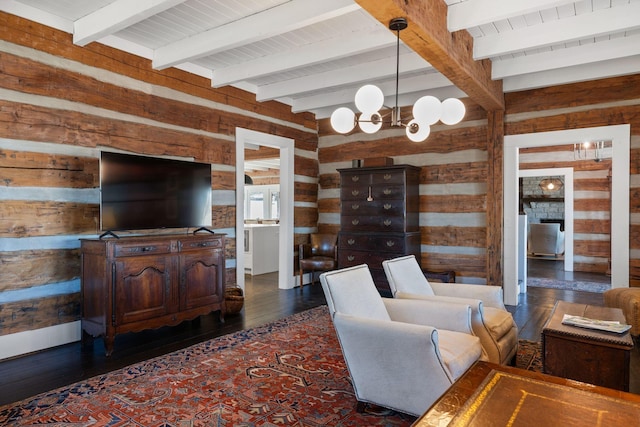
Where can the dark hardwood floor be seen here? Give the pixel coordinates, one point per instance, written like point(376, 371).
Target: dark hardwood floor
point(28, 375)
point(535, 306)
point(554, 269)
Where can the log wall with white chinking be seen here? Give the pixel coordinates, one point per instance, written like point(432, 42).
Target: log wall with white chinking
point(606, 102)
point(60, 105)
point(453, 187)
point(456, 172)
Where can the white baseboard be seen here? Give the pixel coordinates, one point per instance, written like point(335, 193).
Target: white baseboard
point(29, 341)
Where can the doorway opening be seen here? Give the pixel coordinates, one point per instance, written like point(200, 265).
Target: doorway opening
point(566, 174)
point(548, 270)
point(244, 138)
point(621, 141)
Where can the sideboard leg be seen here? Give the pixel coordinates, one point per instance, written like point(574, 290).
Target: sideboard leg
point(108, 345)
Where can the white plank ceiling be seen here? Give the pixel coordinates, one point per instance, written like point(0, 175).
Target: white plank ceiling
point(314, 55)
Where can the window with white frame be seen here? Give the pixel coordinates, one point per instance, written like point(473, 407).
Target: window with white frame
point(262, 202)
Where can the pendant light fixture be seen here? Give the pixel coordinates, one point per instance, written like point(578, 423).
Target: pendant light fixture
point(589, 150)
point(551, 185)
point(369, 101)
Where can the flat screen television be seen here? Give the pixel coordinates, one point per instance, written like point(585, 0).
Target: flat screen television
point(138, 192)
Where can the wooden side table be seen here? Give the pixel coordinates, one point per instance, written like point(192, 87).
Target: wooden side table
point(591, 356)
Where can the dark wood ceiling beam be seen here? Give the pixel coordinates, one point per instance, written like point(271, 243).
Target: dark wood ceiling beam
point(449, 53)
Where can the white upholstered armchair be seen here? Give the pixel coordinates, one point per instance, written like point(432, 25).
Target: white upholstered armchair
point(546, 239)
point(397, 351)
point(490, 320)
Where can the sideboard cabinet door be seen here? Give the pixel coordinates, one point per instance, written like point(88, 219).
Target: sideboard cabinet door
point(201, 279)
point(201, 272)
point(142, 288)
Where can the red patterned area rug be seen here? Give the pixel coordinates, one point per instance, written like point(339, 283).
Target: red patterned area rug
point(287, 373)
point(574, 285)
point(529, 355)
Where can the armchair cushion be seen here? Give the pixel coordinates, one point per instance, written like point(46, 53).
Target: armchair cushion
point(454, 348)
point(499, 322)
point(318, 263)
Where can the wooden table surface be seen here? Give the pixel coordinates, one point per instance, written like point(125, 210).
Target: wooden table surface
point(555, 325)
point(496, 395)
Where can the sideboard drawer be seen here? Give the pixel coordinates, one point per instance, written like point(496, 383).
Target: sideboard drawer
point(122, 250)
point(185, 245)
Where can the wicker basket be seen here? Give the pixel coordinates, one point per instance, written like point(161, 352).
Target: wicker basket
point(234, 300)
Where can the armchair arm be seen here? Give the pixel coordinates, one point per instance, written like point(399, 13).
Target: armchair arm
point(404, 357)
point(475, 304)
point(304, 250)
point(435, 313)
point(491, 296)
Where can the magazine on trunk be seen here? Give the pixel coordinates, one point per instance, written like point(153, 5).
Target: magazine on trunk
point(601, 325)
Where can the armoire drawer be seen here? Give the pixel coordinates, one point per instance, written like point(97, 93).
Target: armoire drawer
point(377, 243)
point(347, 258)
point(375, 208)
point(362, 192)
point(375, 223)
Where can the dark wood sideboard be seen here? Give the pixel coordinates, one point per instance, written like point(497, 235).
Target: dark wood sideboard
point(145, 282)
point(379, 209)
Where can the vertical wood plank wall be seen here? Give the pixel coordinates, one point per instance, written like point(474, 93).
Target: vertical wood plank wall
point(60, 105)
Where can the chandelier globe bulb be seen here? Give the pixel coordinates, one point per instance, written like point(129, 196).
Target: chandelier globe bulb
point(369, 99)
point(427, 110)
point(370, 122)
point(343, 120)
point(453, 111)
point(416, 131)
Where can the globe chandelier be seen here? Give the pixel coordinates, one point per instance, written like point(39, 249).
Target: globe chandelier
point(369, 101)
